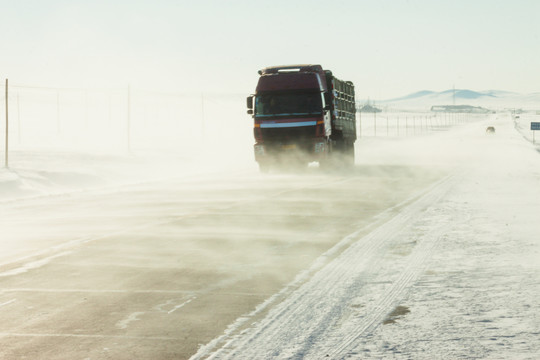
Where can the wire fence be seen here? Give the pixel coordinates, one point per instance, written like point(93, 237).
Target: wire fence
point(401, 124)
point(523, 124)
point(132, 119)
point(127, 119)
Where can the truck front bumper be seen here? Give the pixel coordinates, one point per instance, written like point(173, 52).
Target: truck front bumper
point(311, 151)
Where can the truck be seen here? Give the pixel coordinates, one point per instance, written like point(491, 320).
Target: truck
point(302, 114)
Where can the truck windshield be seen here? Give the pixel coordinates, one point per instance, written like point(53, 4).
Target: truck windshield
point(288, 104)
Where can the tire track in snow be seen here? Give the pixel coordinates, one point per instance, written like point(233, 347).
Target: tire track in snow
point(304, 324)
point(343, 342)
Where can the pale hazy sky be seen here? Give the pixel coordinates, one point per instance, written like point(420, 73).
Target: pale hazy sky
point(387, 48)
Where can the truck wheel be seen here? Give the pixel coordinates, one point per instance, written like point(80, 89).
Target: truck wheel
point(350, 155)
point(264, 167)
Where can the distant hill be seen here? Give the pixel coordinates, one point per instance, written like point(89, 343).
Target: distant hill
point(415, 95)
point(458, 93)
point(466, 94)
point(492, 99)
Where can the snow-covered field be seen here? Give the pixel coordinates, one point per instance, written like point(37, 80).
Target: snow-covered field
point(37, 172)
point(453, 275)
point(450, 273)
point(62, 140)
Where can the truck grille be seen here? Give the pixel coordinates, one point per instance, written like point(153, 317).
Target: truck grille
point(286, 135)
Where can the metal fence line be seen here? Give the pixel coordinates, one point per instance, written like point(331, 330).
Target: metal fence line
point(131, 118)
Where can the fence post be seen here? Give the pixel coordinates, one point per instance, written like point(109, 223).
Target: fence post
point(58, 112)
point(406, 126)
point(86, 109)
point(6, 163)
point(375, 123)
point(203, 125)
point(128, 127)
point(18, 119)
point(359, 124)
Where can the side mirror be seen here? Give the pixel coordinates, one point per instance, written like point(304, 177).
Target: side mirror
point(250, 112)
point(327, 101)
point(249, 102)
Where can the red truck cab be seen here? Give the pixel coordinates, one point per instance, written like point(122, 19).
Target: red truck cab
point(294, 115)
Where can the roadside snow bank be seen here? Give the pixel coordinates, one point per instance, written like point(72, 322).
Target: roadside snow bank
point(522, 124)
point(453, 275)
point(38, 172)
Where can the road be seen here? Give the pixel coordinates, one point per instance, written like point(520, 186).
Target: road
point(155, 270)
point(453, 274)
point(427, 249)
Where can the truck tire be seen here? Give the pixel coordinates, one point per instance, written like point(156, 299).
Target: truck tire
point(264, 167)
point(350, 155)
point(343, 154)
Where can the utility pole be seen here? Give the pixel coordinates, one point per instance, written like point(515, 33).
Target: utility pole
point(203, 125)
point(359, 123)
point(129, 119)
point(18, 119)
point(374, 123)
point(7, 128)
point(58, 111)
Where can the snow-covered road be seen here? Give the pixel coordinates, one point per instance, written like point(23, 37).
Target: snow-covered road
point(428, 249)
point(153, 269)
point(455, 274)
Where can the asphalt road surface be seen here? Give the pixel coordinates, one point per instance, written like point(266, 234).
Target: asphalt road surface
point(156, 270)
